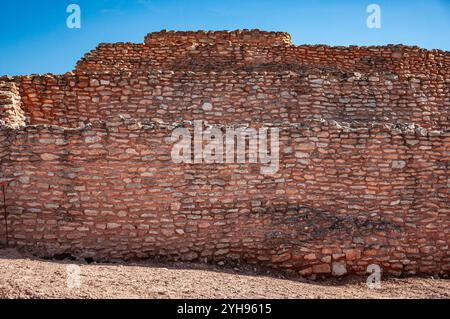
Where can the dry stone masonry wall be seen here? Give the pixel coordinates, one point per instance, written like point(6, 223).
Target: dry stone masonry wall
point(364, 155)
point(11, 112)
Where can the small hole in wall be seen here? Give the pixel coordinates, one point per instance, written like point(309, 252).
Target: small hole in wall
point(89, 260)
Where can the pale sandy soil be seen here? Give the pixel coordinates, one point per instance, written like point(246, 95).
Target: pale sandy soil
point(24, 276)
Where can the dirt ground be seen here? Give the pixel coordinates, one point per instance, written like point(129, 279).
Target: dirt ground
point(25, 276)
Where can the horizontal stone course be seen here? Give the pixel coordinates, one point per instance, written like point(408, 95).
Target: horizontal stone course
point(70, 99)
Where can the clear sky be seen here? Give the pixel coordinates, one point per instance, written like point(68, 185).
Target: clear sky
point(36, 39)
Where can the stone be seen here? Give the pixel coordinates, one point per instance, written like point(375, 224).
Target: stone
point(326, 259)
point(306, 147)
point(281, 258)
point(321, 269)
point(310, 257)
point(131, 151)
point(338, 256)
point(49, 157)
point(204, 225)
point(92, 139)
point(207, 106)
point(112, 225)
point(339, 268)
point(286, 95)
point(301, 155)
point(305, 272)
point(24, 179)
point(167, 232)
point(352, 254)
point(398, 164)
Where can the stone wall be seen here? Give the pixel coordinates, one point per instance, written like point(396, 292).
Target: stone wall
point(363, 178)
point(11, 112)
point(208, 51)
point(262, 96)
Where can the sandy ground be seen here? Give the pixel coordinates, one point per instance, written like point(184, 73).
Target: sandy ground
point(25, 276)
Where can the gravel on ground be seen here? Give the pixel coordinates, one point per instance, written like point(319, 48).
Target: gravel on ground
point(25, 276)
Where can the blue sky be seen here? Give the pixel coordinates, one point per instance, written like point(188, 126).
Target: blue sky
point(35, 38)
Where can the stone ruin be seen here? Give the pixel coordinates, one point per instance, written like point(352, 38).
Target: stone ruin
point(364, 155)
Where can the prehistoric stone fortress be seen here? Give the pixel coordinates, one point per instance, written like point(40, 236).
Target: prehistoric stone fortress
point(364, 155)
